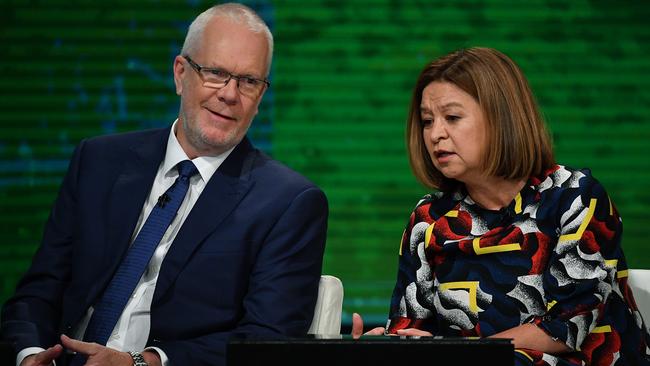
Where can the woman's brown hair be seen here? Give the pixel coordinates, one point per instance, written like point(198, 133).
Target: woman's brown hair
point(519, 144)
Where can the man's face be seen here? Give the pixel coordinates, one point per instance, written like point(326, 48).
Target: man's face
point(211, 121)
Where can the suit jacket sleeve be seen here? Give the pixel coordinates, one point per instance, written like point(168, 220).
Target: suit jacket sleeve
point(32, 316)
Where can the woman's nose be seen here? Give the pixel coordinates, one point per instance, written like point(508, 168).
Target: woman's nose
point(438, 131)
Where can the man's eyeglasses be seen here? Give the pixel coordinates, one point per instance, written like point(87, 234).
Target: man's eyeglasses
point(218, 78)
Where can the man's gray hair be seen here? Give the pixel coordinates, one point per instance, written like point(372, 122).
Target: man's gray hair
point(237, 12)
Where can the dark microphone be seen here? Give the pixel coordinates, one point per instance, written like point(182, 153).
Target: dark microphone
point(163, 199)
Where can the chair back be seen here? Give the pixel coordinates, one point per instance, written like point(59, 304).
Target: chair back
point(329, 305)
point(639, 281)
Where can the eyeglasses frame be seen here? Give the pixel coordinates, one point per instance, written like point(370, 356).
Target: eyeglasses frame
point(231, 76)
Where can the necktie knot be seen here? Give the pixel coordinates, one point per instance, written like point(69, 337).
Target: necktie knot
point(186, 169)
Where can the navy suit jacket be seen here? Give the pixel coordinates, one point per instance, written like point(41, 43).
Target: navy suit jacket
point(247, 259)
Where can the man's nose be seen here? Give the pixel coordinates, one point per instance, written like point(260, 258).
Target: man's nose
point(229, 92)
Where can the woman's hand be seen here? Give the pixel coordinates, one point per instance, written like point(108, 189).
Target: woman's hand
point(357, 328)
point(413, 332)
point(532, 337)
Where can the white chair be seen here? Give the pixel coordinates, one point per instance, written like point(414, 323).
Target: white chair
point(639, 281)
point(329, 305)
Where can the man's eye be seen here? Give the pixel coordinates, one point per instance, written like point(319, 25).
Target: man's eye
point(251, 81)
point(220, 74)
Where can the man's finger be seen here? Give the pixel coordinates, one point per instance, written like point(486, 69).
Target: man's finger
point(78, 346)
point(49, 355)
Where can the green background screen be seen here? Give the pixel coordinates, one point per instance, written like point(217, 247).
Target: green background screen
point(341, 81)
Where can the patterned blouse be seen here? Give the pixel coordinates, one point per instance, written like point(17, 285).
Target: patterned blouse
point(553, 257)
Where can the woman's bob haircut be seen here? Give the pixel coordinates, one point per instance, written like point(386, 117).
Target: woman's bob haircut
point(518, 144)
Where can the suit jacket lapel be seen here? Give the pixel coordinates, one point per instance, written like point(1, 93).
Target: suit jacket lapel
point(219, 198)
point(127, 198)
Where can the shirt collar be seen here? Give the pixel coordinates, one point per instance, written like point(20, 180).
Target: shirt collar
point(206, 165)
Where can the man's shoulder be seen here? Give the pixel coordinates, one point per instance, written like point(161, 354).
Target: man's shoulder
point(277, 174)
point(127, 139)
point(115, 147)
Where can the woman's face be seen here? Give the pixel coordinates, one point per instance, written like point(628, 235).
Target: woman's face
point(453, 128)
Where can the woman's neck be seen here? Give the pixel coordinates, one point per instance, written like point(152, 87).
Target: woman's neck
point(494, 193)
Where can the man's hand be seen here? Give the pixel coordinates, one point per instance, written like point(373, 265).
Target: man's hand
point(44, 358)
point(97, 354)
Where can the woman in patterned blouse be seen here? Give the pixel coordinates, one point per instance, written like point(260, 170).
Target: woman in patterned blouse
point(511, 245)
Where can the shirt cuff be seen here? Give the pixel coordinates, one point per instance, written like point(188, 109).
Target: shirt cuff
point(164, 361)
point(28, 352)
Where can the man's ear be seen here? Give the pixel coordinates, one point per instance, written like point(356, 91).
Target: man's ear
point(179, 71)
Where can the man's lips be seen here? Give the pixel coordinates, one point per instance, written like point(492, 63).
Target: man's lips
point(221, 115)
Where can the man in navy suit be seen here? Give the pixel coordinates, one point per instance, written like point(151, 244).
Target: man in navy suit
point(243, 253)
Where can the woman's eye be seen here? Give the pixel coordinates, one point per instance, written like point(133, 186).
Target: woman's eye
point(426, 122)
point(452, 118)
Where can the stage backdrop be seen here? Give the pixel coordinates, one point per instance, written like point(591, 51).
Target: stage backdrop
point(341, 82)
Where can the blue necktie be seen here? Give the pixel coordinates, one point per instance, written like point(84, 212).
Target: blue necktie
point(109, 308)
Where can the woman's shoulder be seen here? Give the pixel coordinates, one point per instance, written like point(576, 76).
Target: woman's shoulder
point(564, 181)
point(437, 203)
point(429, 198)
point(438, 197)
point(561, 176)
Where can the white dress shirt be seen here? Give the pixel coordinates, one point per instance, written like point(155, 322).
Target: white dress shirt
point(132, 328)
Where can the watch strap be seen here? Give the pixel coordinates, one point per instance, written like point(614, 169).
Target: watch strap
point(138, 360)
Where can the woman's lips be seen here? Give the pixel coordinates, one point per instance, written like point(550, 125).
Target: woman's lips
point(443, 156)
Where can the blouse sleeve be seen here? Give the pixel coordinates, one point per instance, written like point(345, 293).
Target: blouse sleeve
point(412, 300)
point(581, 273)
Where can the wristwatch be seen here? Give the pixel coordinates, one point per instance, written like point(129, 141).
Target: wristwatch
point(138, 360)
